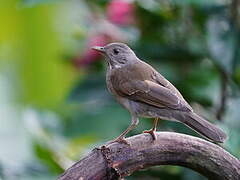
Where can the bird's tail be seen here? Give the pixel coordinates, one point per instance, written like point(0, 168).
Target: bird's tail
point(204, 127)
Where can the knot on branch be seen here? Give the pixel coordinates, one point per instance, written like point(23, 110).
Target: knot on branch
point(111, 172)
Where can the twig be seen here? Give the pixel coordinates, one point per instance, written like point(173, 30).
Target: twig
point(224, 94)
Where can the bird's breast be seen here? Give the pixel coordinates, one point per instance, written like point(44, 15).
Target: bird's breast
point(108, 82)
point(121, 100)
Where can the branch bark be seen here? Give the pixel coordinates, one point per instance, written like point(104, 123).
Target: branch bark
point(120, 160)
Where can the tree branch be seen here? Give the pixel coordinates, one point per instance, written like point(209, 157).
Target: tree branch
point(120, 160)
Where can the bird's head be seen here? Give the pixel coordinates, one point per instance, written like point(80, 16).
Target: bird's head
point(118, 54)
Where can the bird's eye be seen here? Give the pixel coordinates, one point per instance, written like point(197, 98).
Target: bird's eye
point(115, 51)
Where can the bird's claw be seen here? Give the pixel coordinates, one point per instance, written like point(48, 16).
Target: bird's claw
point(152, 133)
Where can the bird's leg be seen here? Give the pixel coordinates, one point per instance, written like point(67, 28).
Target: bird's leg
point(153, 130)
point(121, 138)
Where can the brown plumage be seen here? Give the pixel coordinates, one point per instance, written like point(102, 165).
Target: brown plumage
point(148, 87)
point(146, 93)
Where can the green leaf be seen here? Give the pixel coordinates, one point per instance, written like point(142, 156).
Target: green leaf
point(47, 157)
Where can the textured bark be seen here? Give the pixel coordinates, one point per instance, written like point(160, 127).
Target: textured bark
point(120, 160)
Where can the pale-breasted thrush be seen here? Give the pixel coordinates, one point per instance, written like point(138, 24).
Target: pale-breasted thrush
point(144, 92)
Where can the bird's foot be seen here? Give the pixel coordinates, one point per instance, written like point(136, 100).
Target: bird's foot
point(118, 140)
point(152, 133)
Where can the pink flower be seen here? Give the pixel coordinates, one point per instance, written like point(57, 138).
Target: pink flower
point(90, 56)
point(120, 12)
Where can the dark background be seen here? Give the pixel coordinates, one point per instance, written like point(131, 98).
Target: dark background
point(54, 105)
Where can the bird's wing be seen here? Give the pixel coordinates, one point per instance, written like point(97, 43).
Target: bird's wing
point(135, 85)
point(159, 79)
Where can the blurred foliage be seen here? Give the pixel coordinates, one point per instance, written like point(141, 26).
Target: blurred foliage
point(54, 103)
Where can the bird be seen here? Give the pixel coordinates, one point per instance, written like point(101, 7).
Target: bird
point(144, 92)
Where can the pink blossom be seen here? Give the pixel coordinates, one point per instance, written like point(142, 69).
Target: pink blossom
point(120, 12)
point(90, 56)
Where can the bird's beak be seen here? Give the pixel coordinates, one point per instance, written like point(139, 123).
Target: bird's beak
point(99, 49)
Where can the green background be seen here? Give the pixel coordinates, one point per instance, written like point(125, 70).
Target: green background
point(54, 111)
